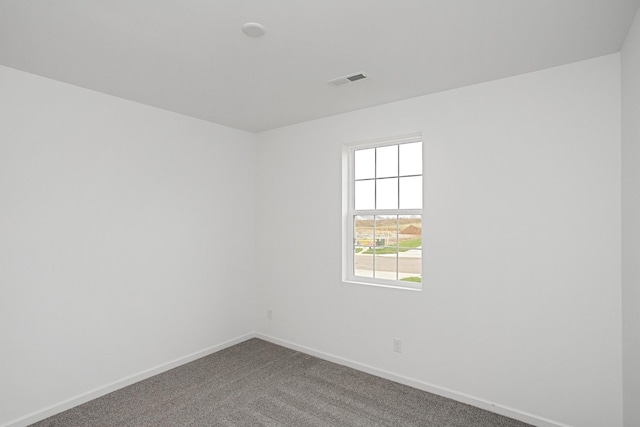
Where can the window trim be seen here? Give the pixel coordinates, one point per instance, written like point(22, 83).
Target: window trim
point(348, 212)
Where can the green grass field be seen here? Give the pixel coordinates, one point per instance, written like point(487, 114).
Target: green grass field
point(404, 246)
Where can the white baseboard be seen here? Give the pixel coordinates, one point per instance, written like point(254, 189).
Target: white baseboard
point(124, 382)
point(431, 388)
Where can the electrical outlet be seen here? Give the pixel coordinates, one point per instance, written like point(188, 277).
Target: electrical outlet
point(269, 314)
point(397, 345)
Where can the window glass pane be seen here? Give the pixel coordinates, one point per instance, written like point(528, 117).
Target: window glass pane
point(364, 239)
point(411, 192)
point(364, 233)
point(364, 194)
point(410, 266)
point(411, 159)
point(386, 251)
point(410, 248)
point(387, 193)
point(386, 230)
point(365, 164)
point(363, 262)
point(409, 228)
point(386, 264)
point(387, 161)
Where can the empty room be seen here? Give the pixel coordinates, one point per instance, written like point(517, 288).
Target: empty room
point(320, 213)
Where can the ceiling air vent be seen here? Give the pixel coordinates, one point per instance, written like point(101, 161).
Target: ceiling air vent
point(347, 79)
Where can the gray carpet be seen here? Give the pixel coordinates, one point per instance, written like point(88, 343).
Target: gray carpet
point(256, 383)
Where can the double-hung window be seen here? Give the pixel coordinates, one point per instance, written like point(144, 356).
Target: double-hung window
point(384, 215)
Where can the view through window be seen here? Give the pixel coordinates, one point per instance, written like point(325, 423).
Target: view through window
point(385, 216)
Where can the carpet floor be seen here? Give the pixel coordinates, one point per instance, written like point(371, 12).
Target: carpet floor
point(256, 383)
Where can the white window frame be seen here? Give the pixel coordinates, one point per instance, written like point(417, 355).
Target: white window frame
point(349, 211)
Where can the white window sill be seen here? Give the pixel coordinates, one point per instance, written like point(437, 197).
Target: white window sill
point(381, 285)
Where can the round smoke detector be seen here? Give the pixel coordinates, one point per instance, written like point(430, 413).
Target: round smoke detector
point(253, 29)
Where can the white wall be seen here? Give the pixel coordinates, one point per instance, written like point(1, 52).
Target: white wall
point(522, 294)
point(125, 239)
point(119, 250)
point(631, 224)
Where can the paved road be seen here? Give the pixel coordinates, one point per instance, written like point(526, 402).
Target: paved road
point(388, 263)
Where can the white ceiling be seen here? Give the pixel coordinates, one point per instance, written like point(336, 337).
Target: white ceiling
point(191, 57)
